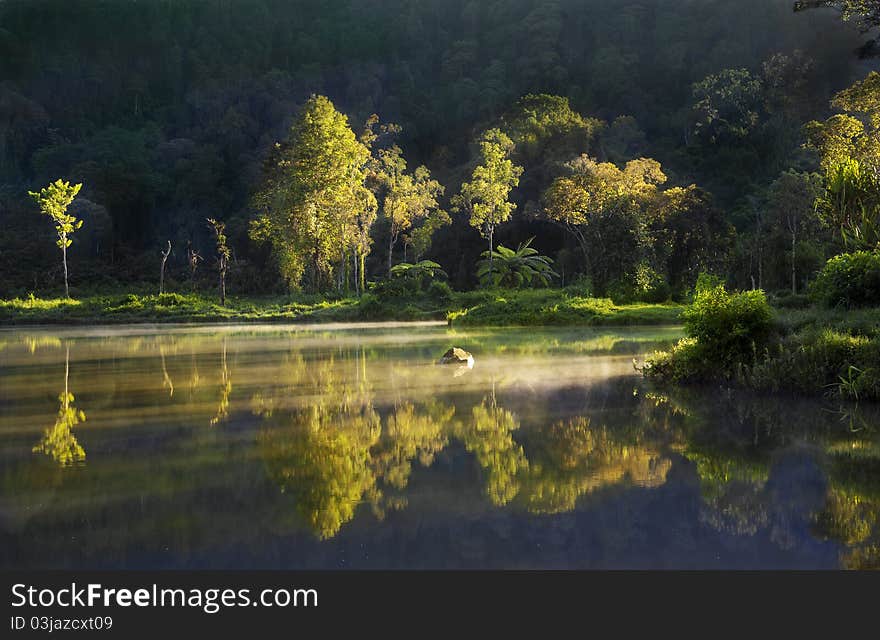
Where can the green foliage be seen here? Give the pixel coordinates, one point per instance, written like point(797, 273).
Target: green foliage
point(607, 211)
point(819, 361)
point(314, 196)
point(727, 105)
point(851, 203)
point(645, 285)
point(849, 280)
point(524, 267)
point(547, 307)
point(420, 271)
point(731, 327)
point(707, 281)
point(410, 201)
point(485, 197)
point(53, 202)
point(166, 140)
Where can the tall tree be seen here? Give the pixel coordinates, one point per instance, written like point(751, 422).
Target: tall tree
point(486, 196)
point(601, 205)
point(791, 200)
point(848, 144)
point(53, 201)
point(408, 199)
point(314, 195)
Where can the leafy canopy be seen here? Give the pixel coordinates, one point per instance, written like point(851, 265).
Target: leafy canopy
point(485, 197)
point(314, 205)
point(53, 202)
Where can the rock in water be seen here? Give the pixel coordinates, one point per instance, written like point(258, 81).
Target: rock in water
point(457, 356)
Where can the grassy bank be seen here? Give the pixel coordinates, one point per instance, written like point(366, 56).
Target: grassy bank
point(814, 351)
point(546, 307)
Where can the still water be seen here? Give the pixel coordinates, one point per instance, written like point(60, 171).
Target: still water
point(346, 447)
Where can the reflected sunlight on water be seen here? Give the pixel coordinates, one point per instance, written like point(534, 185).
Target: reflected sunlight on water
point(330, 446)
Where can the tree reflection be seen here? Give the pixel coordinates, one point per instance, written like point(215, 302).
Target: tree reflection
point(339, 453)
point(225, 388)
point(490, 438)
point(574, 458)
point(58, 441)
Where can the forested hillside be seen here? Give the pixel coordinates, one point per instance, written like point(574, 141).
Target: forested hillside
point(168, 112)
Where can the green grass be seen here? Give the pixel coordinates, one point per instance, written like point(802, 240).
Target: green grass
point(544, 307)
point(551, 307)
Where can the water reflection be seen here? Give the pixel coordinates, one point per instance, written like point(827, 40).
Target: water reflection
point(59, 442)
point(551, 452)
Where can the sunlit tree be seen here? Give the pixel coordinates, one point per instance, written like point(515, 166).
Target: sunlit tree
point(312, 208)
point(53, 201)
point(486, 197)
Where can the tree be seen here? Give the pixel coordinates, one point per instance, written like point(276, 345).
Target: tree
point(407, 198)
point(602, 206)
point(223, 254)
point(193, 257)
point(688, 234)
point(59, 441)
point(848, 144)
point(727, 105)
point(165, 255)
point(523, 267)
point(313, 205)
point(485, 198)
point(53, 201)
point(791, 200)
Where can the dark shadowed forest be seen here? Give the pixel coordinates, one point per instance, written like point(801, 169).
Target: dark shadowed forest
point(167, 112)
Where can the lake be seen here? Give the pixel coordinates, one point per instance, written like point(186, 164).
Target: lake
point(348, 447)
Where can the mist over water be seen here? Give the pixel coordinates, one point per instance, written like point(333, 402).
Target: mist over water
point(343, 446)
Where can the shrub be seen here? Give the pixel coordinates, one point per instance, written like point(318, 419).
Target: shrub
point(170, 299)
point(439, 292)
point(731, 326)
point(646, 285)
point(789, 300)
point(849, 280)
point(396, 288)
point(687, 361)
point(580, 286)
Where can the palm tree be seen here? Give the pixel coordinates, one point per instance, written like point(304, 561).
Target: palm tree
point(508, 268)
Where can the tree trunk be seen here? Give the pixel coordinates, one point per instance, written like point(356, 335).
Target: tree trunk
point(363, 272)
point(356, 278)
point(316, 279)
point(165, 255)
point(491, 247)
point(390, 251)
point(64, 259)
point(793, 264)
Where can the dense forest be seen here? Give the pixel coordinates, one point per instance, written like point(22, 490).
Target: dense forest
point(171, 112)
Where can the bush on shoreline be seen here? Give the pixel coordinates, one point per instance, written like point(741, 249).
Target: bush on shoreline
point(849, 280)
point(734, 339)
